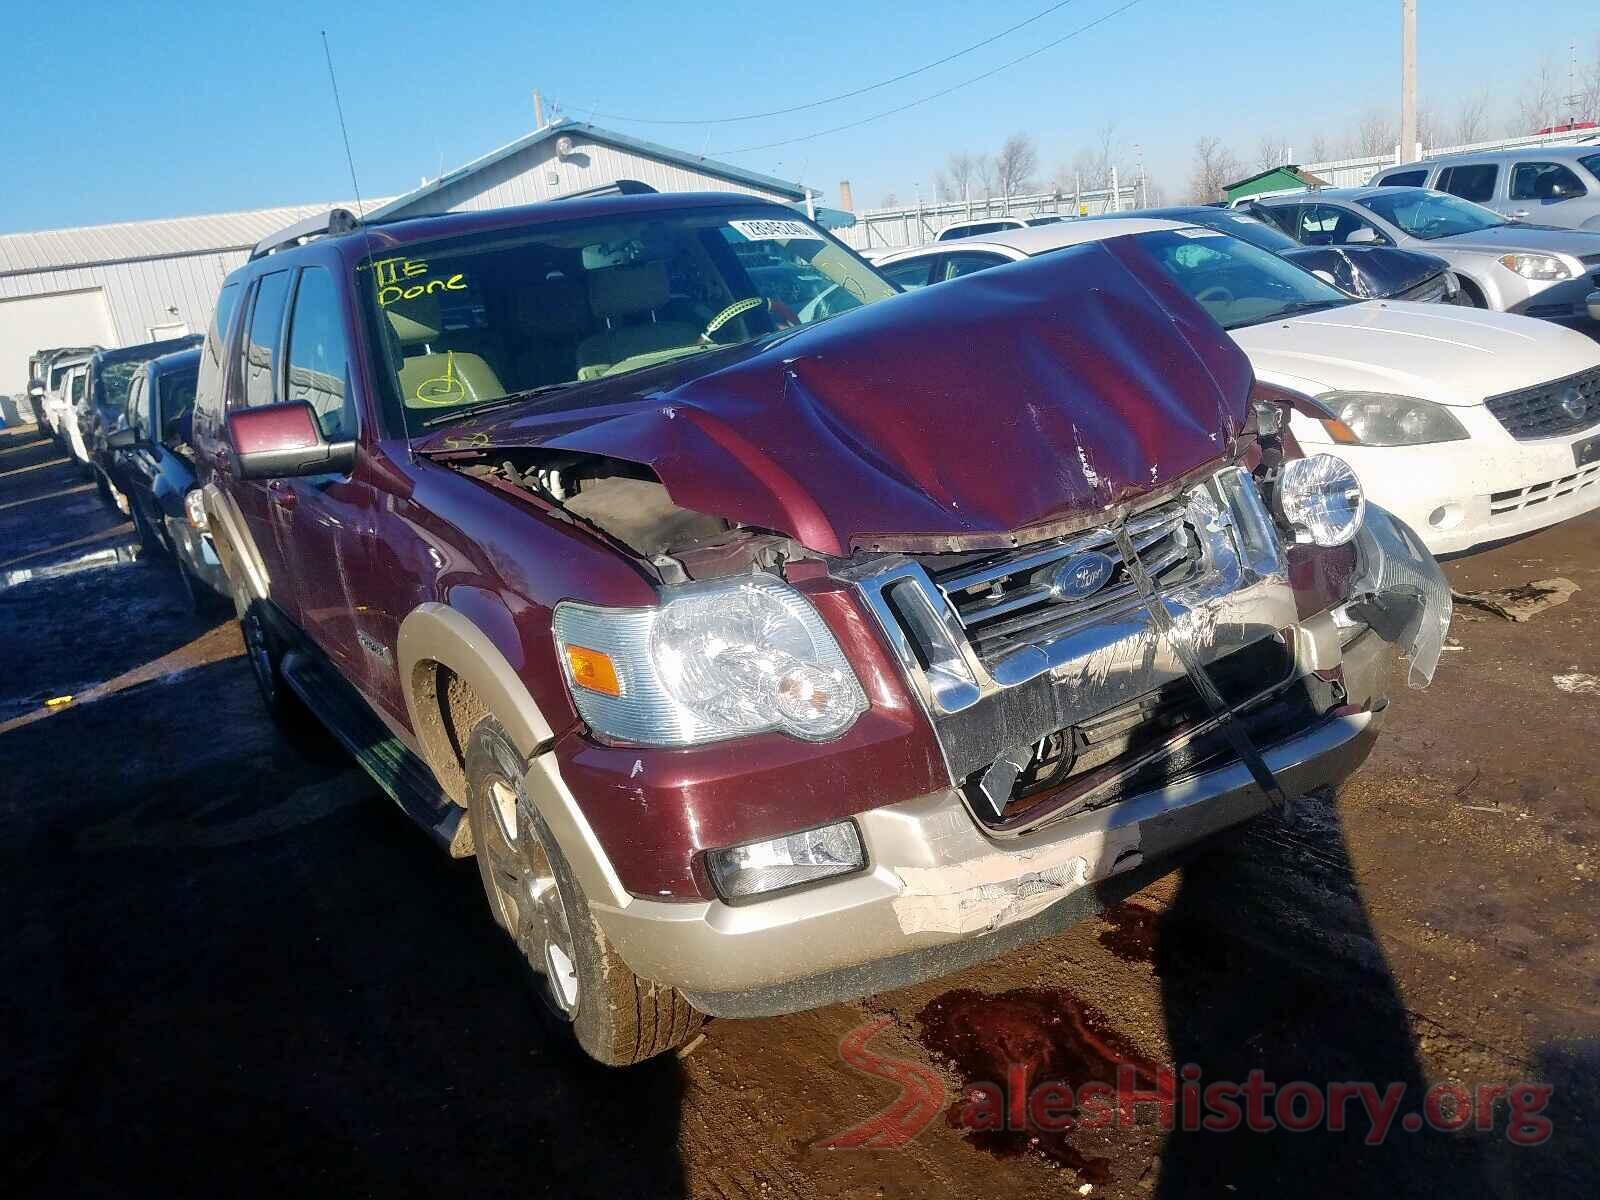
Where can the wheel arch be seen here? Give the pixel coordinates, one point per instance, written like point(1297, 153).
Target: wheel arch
point(439, 645)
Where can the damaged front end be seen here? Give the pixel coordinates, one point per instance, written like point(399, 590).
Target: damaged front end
point(1066, 676)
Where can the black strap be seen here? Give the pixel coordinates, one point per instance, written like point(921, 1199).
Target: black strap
point(1179, 641)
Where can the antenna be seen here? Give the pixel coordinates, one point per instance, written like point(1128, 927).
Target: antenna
point(366, 233)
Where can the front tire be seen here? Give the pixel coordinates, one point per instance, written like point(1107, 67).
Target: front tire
point(586, 992)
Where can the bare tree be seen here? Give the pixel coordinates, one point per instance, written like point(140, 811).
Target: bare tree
point(1589, 87)
point(1427, 130)
point(1319, 149)
point(1471, 120)
point(1540, 102)
point(1015, 164)
point(1272, 152)
point(962, 169)
point(1374, 134)
point(983, 174)
point(889, 200)
point(1214, 165)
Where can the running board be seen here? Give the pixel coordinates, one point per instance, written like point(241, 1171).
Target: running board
point(383, 756)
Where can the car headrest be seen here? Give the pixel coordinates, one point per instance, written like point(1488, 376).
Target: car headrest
point(628, 291)
point(416, 320)
point(553, 309)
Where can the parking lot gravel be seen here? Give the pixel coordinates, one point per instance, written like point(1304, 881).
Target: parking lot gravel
point(231, 966)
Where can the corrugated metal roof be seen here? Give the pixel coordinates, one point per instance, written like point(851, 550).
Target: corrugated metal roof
point(130, 241)
point(583, 130)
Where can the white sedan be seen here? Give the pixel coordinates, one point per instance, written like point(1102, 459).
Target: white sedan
point(1471, 426)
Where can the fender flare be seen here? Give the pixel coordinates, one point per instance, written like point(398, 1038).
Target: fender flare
point(436, 633)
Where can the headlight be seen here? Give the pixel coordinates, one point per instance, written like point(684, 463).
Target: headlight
point(194, 507)
point(1545, 267)
point(1321, 497)
point(711, 661)
point(1374, 419)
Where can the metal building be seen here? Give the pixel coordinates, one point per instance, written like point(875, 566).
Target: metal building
point(118, 285)
point(568, 156)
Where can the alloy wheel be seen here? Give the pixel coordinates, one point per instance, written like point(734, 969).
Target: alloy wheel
point(527, 895)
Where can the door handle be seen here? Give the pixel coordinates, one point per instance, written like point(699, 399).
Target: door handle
point(1519, 214)
point(282, 495)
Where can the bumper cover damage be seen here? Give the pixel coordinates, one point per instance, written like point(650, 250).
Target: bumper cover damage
point(948, 884)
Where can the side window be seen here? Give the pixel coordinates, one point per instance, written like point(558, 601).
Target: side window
point(136, 407)
point(1404, 179)
point(1472, 182)
point(969, 262)
point(1316, 224)
point(80, 384)
point(175, 397)
point(208, 393)
point(1545, 181)
point(260, 359)
point(317, 354)
point(1285, 216)
point(913, 273)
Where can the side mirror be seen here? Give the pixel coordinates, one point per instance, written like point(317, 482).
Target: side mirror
point(36, 389)
point(1363, 235)
point(122, 439)
point(279, 440)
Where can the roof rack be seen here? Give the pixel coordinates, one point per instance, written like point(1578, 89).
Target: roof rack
point(334, 221)
point(617, 187)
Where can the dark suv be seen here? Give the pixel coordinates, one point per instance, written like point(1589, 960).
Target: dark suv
point(772, 637)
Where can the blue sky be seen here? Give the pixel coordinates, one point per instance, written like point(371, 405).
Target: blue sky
point(168, 109)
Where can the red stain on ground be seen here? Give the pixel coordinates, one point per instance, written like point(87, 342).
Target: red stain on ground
point(1037, 1035)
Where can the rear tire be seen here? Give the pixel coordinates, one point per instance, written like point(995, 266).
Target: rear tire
point(586, 992)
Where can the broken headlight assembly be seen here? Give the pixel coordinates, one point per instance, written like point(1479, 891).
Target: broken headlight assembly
point(194, 508)
point(712, 661)
point(1320, 499)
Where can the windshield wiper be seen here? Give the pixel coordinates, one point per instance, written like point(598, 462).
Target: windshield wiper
point(502, 402)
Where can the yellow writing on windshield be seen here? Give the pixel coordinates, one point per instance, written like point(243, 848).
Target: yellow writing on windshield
point(408, 279)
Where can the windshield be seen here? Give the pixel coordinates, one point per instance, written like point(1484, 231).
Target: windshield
point(470, 320)
point(111, 384)
point(1252, 230)
point(1427, 214)
point(1237, 283)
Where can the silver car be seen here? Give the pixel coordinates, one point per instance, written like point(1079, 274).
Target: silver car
point(1537, 271)
point(1543, 185)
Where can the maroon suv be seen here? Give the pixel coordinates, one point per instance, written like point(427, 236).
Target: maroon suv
point(770, 636)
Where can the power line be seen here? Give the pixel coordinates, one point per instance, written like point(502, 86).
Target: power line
point(861, 91)
point(955, 87)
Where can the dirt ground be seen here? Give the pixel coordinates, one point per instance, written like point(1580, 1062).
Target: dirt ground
point(231, 966)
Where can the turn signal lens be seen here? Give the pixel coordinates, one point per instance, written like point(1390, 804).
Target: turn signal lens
point(593, 670)
point(1340, 432)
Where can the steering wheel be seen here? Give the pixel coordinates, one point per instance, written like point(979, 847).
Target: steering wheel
point(1215, 292)
point(736, 309)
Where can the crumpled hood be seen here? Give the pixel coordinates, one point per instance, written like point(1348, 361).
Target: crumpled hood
point(1438, 352)
point(1013, 401)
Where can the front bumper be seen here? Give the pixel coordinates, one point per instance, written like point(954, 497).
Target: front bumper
point(1566, 301)
point(199, 555)
point(941, 889)
point(939, 895)
point(1457, 495)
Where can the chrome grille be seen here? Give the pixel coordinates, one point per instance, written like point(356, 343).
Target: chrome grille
point(1007, 600)
point(1547, 409)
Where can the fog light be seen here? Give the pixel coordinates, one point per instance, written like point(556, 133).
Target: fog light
point(1446, 516)
point(742, 872)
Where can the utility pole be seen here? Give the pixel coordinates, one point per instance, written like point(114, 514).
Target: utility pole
point(1408, 80)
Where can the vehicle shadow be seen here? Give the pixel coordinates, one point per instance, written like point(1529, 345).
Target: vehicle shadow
point(1269, 963)
point(231, 961)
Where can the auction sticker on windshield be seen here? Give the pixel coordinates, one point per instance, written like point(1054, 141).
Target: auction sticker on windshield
point(771, 229)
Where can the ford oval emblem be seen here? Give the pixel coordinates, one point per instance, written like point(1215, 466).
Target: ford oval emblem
point(1574, 404)
point(1082, 575)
